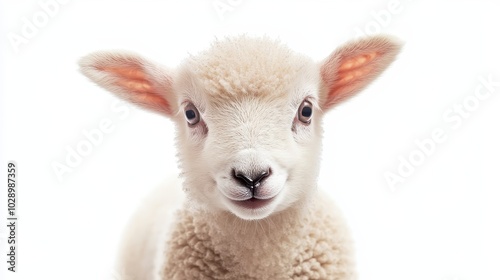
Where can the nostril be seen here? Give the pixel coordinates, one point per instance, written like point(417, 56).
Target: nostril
point(262, 176)
point(253, 180)
point(243, 179)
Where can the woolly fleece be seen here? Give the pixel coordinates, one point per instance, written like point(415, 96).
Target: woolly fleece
point(308, 243)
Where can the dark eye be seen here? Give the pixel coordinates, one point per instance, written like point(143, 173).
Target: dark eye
point(192, 114)
point(305, 112)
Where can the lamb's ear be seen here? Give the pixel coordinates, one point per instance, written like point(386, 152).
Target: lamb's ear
point(353, 66)
point(132, 78)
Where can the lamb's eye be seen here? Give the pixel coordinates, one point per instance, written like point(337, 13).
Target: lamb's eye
point(305, 112)
point(192, 114)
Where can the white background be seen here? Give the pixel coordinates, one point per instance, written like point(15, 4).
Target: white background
point(441, 223)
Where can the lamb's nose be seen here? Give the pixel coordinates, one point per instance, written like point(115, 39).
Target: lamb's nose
point(251, 180)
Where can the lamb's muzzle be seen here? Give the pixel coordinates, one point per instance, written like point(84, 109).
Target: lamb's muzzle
point(251, 183)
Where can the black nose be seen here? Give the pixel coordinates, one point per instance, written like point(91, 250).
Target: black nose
point(252, 180)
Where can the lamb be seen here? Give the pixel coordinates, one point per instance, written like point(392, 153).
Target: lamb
point(248, 114)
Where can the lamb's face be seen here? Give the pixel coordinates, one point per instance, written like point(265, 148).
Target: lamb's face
point(250, 156)
point(249, 139)
point(248, 113)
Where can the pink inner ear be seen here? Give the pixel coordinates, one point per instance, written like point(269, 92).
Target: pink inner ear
point(353, 66)
point(129, 73)
point(356, 62)
point(131, 79)
point(351, 74)
point(134, 80)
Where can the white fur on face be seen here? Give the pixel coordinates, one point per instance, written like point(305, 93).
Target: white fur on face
point(246, 93)
point(250, 133)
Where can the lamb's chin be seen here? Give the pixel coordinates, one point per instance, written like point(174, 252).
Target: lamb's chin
point(253, 208)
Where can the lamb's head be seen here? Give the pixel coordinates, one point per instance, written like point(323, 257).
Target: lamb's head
point(248, 113)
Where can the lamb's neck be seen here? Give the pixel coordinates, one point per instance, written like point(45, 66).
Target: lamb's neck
point(284, 219)
point(277, 247)
point(255, 239)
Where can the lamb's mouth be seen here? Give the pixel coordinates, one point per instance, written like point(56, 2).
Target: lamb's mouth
point(253, 203)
